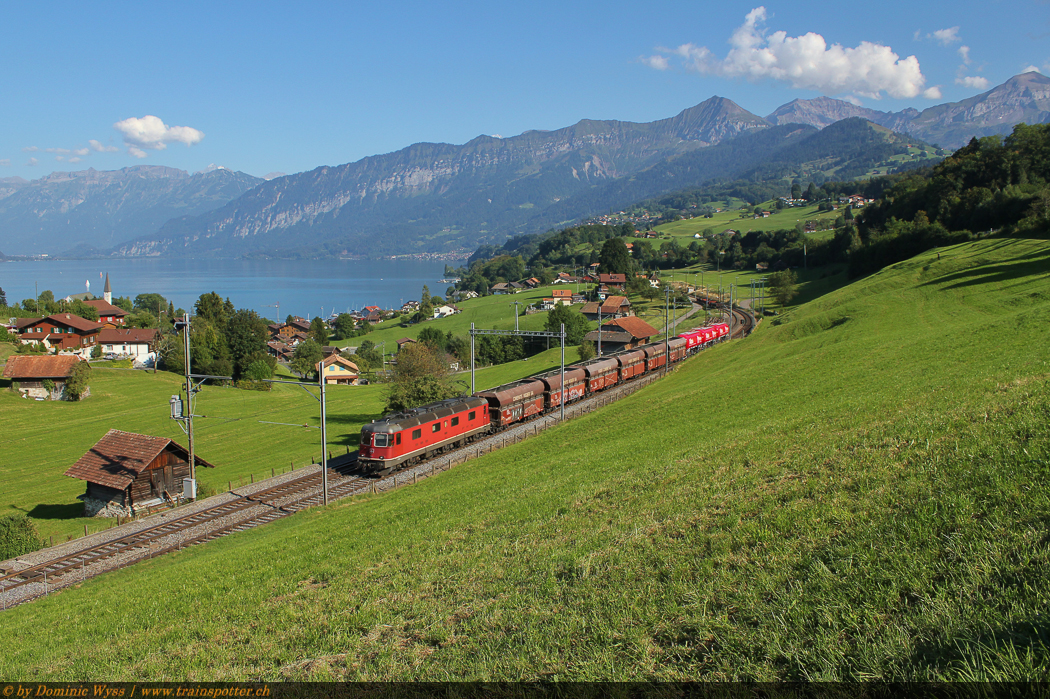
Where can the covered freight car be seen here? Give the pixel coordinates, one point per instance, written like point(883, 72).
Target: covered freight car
point(513, 402)
point(575, 386)
point(601, 373)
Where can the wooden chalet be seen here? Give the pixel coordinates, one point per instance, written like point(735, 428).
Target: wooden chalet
point(63, 331)
point(283, 332)
point(613, 281)
point(622, 333)
point(31, 371)
point(339, 371)
point(610, 307)
point(109, 316)
point(128, 473)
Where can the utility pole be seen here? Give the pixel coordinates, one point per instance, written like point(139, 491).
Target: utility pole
point(324, 436)
point(515, 304)
point(667, 346)
point(599, 327)
point(189, 400)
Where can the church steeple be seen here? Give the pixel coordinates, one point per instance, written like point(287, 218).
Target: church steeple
point(107, 292)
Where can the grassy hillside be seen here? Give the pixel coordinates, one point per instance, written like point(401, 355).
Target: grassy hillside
point(862, 491)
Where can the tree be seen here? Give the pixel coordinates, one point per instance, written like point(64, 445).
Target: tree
point(319, 331)
point(433, 337)
point(344, 326)
point(424, 298)
point(211, 307)
point(77, 383)
point(614, 258)
point(246, 336)
point(576, 325)
point(141, 319)
point(307, 355)
point(79, 308)
point(124, 304)
point(587, 350)
point(421, 376)
point(372, 356)
point(154, 303)
point(3, 297)
point(784, 286)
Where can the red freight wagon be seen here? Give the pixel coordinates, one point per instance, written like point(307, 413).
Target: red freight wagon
point(693, 339)
point(514, 401)
point(601, 373)
point(421, 432)
point(655, 356)
point(575, 385)
point(632, 363)
point(677, 347)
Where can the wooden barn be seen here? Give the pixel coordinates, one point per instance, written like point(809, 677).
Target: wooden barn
point(128, 473)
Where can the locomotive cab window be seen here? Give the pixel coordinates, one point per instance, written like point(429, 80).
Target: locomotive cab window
point(397, 439)
point(416, 434)
point(436, 427)
point(381, 439)
point(455, 421)
point(473, 414)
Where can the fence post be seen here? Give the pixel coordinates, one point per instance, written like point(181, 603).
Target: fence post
point(252, 476)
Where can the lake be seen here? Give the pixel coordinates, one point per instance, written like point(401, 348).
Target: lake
point(304, 288)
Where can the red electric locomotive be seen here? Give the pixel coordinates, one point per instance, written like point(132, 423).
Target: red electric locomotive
point(422, 432)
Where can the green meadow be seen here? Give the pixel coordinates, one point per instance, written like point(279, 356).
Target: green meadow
point(858, 491)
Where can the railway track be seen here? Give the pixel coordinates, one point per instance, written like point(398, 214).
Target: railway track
point(38, 574)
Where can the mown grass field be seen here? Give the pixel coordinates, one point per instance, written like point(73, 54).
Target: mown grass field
point(43, 439)
point(859, 492)
point(744, 221)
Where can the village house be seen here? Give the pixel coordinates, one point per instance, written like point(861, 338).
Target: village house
point(338, 370)
point(279, 350)
point(373, 314)
point(30, 372)
point(63, 331)
point(283, 332)
point(613, 281)
point(622, 333)
point(128, 473)
point(503, 288)
point(138, 343)
point(611, 307)
point(109, 316)
point(445, 310)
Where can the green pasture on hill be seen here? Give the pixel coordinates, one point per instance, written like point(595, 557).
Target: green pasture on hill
point(858, 491)
point(245, 434)
point(744, 222)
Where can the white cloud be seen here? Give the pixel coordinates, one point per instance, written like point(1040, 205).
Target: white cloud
point(946, 37)
point(100, 148)
point(655, 62)
point(964, 52)
point(81, 152)
point(74, 160)
point(806, 62)
point(854, 100)
point(60, 158)
point(932, 93)
point(31, 162)
point(974, 81)
point(5, 162)
point(150, 133)
point(1031, 69)
point(62, 151)
point(30, 149)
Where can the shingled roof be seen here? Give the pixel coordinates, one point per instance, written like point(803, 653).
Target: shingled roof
point(51, 366)
point(119, 457)
point(116, 336)
point(105, 308)
point(634, 325)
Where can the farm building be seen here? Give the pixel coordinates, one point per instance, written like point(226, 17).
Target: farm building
point(338, 370)
point(128, 473)
point(31, 372)
point(622, 333)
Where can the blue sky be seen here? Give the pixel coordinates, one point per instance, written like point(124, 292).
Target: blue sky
point(288, 87)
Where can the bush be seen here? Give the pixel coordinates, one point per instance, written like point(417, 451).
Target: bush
point(17, 536)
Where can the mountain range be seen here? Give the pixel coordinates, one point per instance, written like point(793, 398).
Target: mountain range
point(435, 197)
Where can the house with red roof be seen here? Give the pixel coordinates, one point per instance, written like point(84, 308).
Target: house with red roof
point(31, 371)
point(63, 331)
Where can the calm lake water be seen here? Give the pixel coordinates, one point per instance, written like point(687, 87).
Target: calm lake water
point(304, 288)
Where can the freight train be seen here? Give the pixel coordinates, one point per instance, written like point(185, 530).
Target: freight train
point(405, 438)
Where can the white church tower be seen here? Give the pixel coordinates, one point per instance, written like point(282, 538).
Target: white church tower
point(107, 293)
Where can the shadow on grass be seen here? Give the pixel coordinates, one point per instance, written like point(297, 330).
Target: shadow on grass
point(1010, 269)
point(1001, 654)
point(68, 511)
